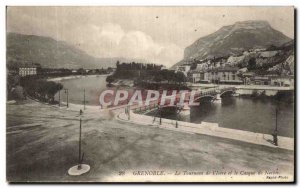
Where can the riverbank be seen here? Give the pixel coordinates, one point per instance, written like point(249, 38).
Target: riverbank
point(246, 90)
point(253, 87)
point(210, 129)
point(75, 77)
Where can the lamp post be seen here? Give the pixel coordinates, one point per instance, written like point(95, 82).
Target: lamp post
point(176, 116)
point(59, 98)
point(276, 127)
point(275, 134)
point(67, 92)
point(160, 115)
point(128, 112)
point(84, 99)
point(79, 148)
point(80, 168)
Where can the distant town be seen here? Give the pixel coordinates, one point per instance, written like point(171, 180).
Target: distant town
point(225, 70)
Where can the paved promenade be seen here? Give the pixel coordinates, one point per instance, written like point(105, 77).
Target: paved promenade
point(211, 129)
point(42, 144)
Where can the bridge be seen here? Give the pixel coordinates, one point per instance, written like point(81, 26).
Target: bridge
point(214, 94)
point(205, 95)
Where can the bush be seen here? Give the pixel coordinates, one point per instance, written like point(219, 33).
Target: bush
point(254, 93)
point(41, 89)
point(110, 79)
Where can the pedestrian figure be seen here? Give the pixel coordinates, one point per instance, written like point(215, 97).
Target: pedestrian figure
point(128, 112)
point(80, 112)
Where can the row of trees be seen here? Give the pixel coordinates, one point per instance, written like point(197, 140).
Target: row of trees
point(170, 76)
point(42, 90)
point(67, 72)
point(137, 66)
point(150, 75)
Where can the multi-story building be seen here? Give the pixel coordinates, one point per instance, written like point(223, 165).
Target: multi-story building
point(273, 80)
point(261, 80)
point(197, 76)
point(29, 69)
point(285, 81)
point(219, 75)
point(223, 75)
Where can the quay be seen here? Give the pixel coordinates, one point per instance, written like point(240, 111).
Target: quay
point(206, 128)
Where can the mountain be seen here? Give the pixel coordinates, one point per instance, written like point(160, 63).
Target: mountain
point(50, 53)
point(233, 40)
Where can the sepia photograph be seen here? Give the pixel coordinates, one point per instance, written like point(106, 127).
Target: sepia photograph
point(150, 94)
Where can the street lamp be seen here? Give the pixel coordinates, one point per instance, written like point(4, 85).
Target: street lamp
point(84, 99)
point(275, 134)
point(79, 168)
point(160, 115)
point(276, 127)
point(59, 98)
point(176, 115)
point(67, 92)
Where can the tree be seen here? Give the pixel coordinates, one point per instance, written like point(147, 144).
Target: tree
point(193, 66)
point(158, 77)
point(81, 71)
point(180, 77)
point(251, 64)
point(52, 89)
point(110, 79)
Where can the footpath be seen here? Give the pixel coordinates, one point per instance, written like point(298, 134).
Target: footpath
point(205, 128)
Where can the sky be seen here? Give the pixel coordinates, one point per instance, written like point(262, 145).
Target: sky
point(155, 34)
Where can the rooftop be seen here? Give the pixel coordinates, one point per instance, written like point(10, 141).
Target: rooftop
point(224, 69)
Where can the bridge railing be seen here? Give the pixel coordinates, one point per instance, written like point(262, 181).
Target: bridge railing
point(207, 92)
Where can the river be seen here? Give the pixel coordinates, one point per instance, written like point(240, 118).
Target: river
point(256, 115)
point(93, 86)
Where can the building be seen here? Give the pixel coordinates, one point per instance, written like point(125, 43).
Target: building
point(29, 69)
point(202, 66)
point(283, 81)
point(218, 75)
point(197, 76)
point(223, 75)
point(250, 78)
point(185, 68)
point(261, 80)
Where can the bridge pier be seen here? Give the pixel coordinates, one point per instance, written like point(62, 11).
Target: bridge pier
point(186, 110)
point(218, 97)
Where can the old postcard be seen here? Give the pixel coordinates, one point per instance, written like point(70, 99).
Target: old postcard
point(150, 94)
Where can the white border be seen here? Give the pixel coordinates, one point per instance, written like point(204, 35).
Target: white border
point(4, 3)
